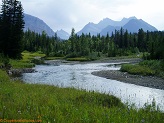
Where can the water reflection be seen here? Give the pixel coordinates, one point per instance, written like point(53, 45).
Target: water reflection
point(79, 76)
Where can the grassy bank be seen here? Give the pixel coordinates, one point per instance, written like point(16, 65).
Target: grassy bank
point(28, 60)
point(52, 104)
point(145, 68)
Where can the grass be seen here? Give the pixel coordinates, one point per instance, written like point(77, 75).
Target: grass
point(66, 105)
point(53, 58)
point(81, 59)
point(27, 60)
point(145, 68)
point(21, 64)
point(137, 70)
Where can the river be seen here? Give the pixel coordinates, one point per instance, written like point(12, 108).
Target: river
point(79, 76)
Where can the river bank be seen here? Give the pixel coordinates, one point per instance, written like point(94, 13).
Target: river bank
point(105, 60)
point(146, 81)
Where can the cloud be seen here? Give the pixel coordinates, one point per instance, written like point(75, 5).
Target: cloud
point(66, 14)
point(71, 13)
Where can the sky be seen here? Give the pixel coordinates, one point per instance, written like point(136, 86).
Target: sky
point(68, 14)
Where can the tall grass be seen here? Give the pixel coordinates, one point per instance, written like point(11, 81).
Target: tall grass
point(137, 69)
point(66, 105)
point(147, 67)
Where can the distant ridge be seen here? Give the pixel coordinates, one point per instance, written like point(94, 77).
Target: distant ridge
point(132, 24)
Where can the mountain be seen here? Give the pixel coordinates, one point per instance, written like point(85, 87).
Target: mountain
point(126, 20)
point(109, 29)
point(91, 28)
point(63, 34)
point(135, 24)
point(106, 22)
point(37, 25)
point(107, 25)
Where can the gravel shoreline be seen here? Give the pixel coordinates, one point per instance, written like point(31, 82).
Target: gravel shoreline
point(147, 81)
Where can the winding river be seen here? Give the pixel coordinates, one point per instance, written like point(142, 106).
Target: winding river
point(79, 76)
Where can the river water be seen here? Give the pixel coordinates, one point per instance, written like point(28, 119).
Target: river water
point(79, 76)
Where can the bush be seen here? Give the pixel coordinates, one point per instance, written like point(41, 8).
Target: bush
point(162, 65)
point(141, 70)
point(58, 54)
point(72, 55)
point(126, 67)
point(137, 69)
point(37, 61)
point(4, 61)
point(153, 64)
point(93, 56)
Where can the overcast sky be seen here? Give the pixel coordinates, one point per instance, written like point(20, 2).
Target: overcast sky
point(68, 14)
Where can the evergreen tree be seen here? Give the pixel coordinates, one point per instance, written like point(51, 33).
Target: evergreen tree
point(126, 39)
point(11, 28)
point(72, 38)
point(141, 40)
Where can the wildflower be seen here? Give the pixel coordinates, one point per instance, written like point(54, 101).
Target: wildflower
point(19, 112)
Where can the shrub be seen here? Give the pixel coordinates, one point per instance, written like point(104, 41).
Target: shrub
point(137, 69)
point(141, 70)
point(4, 60)
point(72, 55)
point(37, 61)
point(126, 67)
point(93, 56)
point(162, 65)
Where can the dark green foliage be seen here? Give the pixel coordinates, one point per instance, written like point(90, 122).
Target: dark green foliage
point(51, 46)
point(37, 61)
point(119, 44)
point(11, 28)
point(4, 61)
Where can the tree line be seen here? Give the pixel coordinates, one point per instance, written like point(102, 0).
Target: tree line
point(120, 43)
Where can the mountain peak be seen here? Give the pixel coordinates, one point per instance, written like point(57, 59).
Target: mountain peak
point(62, 34)
point(135, 24)
point(61, 30)
point(106, 19)
point(130, 18)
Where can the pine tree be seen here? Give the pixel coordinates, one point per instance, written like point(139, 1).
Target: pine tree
point(11, 28)
point(141, 40)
